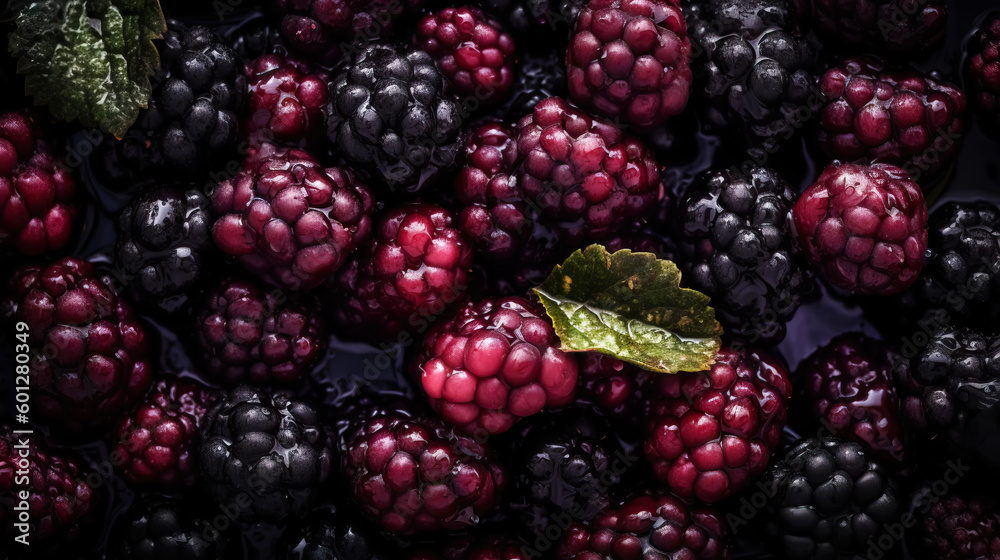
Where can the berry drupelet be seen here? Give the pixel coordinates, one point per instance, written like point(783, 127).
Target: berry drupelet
point(582, 173)
point(157, 443)
point(286, 100)
point(192, 120)
point(864, 227)
point(959, 525)
point(564, 462)
point(493, 362)
point(165, 246)
point(734, 235)
point(87, 349)
point(391, 115)
point(961, 276)
point(37, 206)
point(167, 529)
point(475, 547)
point(614, 386)
point(540, 75)
point(471, 50)
point(289, 219)
point(628, 60)
point(61, 503)
point(710, 433)
point(983, 69)
point(648, 525)
point(848, 385)
point(415, 269)
point(894, 28)
point(415, 474)
point(265, 451)
point(828, 500)
point(901, 118)
point(249, 334)
point(752, 68)
point(949, 392)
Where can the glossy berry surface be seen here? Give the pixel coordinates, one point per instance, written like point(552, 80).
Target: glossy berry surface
point(166, 529)
point(565, 462)
point(87, 349)
point(286, 98)
point(950, 388)
point(710, 433)
point(864, 227)
point(895, 28)
point(392, 115)
point(648, 525)
point(157, 443)
point(961, 525)
point(848, 385)
point(628, 60)
point(415, 474)
point(901, 118)
point(582, 173)
point(37, 206)
point(983, 69)
point(735, 239)
point(267, 450)
point(472, 50)
point(492, 363)
point(288, 218)
point(332, 535)
point(248, 333)
point(193, 114)
point(414, 270)
point(752, 68)
point(614, 386)
point(961, 276)
point(62, 505)
point(830, 500)
point(164, 247)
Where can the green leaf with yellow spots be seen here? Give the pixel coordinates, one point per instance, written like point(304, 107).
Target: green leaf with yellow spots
point(630, 306)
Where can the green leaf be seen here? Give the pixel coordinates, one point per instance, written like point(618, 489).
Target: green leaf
point(89, 60)
point(630, 306)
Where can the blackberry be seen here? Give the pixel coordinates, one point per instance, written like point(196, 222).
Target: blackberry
point(983, 69)
point(535, 18)
point(564, 462)
point(265, 452)
point(628, 60)
point(414, 474)
point(167, 529)
point(648, 525)
point(710, 433)
point(752, 69)
point(249, 335)
point(830, 501)
point(961, 275)
point(848, 385)
point(540, 75)
point(413, 271)
point(289, 219)
point(192, 120)
point(960, 525)
point(903, 118)
point(37, 192)
point(949, 392)
point(734, 235)
point(864, 227)
point(286, 100)
point(332, 535)
point(391, 114)
point(615, 387)
point(87, 349)
point(492, 363)
point(165, 246)
point(62, 504)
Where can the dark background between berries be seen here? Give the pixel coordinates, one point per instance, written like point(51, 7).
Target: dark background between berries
point(347, 365)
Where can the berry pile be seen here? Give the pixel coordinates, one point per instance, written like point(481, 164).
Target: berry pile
point(502, 280)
